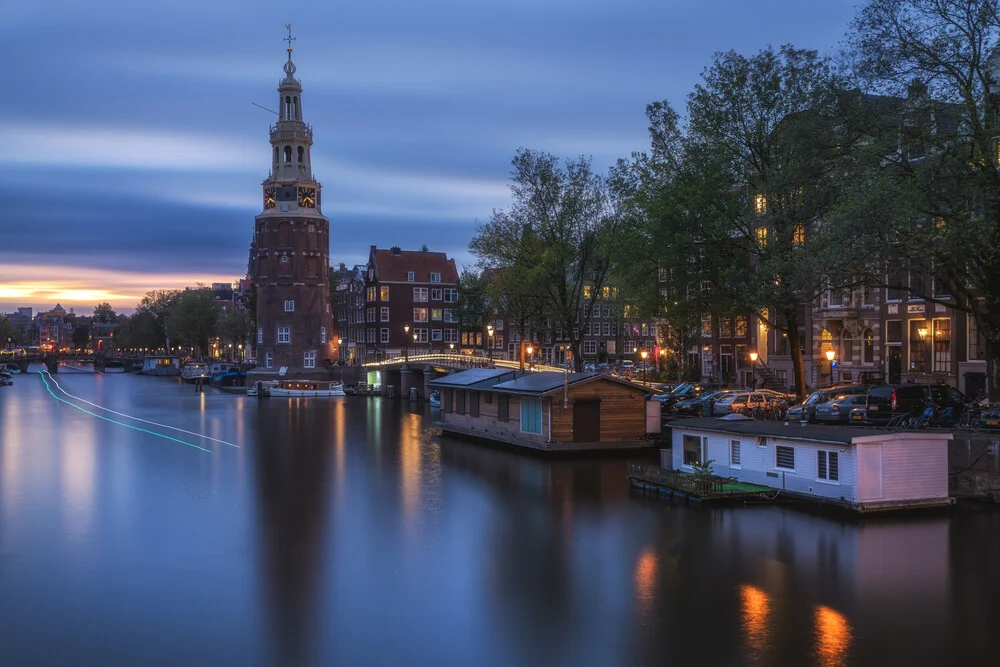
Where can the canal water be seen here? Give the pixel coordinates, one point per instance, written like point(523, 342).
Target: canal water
point(142, 523)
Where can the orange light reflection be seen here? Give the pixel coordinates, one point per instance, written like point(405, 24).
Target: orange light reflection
point(756, 609)
point(833, 637)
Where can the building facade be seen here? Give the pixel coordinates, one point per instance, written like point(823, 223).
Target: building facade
point(291, 248)
point(411, 302)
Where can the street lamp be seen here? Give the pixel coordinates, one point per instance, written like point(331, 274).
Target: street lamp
point(830, 354)
point(415, 338)
point(753, 369)
point(406, 353)
point(644, 354)
point(451, 348)
point(489, 330)
point(531, 352)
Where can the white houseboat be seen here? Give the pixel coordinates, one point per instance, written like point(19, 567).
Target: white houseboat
point(864, 470)
point(195, 370)
point(161, 365)
point(306, 388)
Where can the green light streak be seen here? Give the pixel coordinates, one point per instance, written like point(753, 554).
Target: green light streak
point(113, 421)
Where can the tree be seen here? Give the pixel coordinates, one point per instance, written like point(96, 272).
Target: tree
point(7, 331)
point(473, 307)
point(158, 304)
point(141, 330)
point(236, 327)
point(941, 178)
point(510, 254)
point(104, 313)
point(572, 218)
point(194, 318)
point(758, 175)
point(81, 336)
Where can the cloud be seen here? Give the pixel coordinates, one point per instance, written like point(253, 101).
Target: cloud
point(122, 147)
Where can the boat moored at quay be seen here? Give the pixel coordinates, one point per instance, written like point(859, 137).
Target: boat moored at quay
point(298, 388)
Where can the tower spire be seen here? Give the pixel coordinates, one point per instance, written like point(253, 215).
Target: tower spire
point(289, 66)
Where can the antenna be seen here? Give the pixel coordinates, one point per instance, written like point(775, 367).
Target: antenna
point(264, 108)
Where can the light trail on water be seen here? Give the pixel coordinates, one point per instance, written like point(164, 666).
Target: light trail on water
point(138, 419)
point(114, 421)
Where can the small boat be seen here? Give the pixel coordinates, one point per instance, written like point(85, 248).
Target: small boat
point(194, 370)
point(5, 379)
point(307, 388)
point(435, 398)
point(161, 365)
point(224, 374)
point(261, 388)
point(12, 369)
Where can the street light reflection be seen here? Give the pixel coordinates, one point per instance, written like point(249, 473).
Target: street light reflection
point(756, 610)
point(833, 637)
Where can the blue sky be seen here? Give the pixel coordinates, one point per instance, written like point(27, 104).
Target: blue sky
point(132, 155)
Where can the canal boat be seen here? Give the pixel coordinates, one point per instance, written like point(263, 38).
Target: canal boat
point(225, 374)
point(307, 388)
point(194, 371)
point(5, 379)
point(435, 398)
point(167, 365)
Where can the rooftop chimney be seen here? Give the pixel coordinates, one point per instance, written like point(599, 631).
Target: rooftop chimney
point(396, 251)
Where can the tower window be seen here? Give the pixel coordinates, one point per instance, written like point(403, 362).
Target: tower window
point(295, 108)
point(288, 153)
point(288, 107)
point(301, 153)
point(275, 153)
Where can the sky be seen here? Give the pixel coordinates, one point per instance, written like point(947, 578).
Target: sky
point(132, 153)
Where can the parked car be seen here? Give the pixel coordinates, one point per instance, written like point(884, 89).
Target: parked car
point(700, 406)
point(738, 401)
point(838, 409)
point(685, 391)
point(884, 402)
point(806, 411)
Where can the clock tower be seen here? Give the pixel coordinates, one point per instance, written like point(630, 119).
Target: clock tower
point(291, 249)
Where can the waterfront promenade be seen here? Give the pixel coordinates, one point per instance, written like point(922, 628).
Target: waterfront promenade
point(144, 523)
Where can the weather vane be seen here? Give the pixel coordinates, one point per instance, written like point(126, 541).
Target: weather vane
point(289, 39)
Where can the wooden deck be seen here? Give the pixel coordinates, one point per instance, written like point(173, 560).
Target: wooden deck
point(704, 489)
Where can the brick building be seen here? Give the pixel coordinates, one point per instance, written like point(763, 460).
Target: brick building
point(410, 303)
point(289, 261)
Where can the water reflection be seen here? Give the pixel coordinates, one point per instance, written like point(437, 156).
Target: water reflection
point(291, 458)
point(755, 609)
point(833, 637)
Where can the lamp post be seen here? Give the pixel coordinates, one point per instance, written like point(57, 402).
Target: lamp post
point(830, 354)
point(489, 331)
point(644, 354)
point(531, 352)
point(340, 353)
point(406, 339)
point(451, 348)
point(415, 341)
point(753, 370)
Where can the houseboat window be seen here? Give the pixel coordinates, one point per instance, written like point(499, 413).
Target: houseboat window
point(460, 402)
point(828, 466)
point(503, 407)
point(784, 457)
point(692, 450)
point(473, 403)
point(734, 452)
point(531, 415)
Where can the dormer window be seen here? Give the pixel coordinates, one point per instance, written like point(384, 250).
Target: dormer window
point(410, 277)
point(435, 277)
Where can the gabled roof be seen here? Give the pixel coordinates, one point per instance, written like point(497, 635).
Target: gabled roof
point(550, 382)
point(392, 265)
point(475, 378)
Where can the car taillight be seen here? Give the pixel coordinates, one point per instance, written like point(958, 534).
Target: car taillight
point(893, 399)
point(836, 408)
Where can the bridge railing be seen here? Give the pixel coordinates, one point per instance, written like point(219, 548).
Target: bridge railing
point(454, 361)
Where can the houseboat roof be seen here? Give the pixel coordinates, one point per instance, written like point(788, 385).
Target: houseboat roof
point(548, 382)
point(474, 378)
point(844, 435)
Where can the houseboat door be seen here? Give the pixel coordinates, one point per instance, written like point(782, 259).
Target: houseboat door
point(587, 420)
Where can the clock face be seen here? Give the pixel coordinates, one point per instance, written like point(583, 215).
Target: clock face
point(307, 197)
point(268, 197)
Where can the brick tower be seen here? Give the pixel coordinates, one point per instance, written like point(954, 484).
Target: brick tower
point(291, 248)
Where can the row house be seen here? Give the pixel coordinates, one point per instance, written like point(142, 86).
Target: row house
point(347, 292)
point(410, 304)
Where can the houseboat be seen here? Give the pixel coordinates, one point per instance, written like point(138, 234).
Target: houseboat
point(306, 388)
point(863, 470)
point(195, 370)
point(161, 365)
point(226, 375)
point(547, 411)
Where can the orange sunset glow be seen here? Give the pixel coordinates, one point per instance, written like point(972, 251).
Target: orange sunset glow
point(41, 287)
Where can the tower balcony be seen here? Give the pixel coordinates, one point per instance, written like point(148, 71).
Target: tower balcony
point(285, 134)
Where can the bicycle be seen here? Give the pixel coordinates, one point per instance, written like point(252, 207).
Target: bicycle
point(900, 422)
